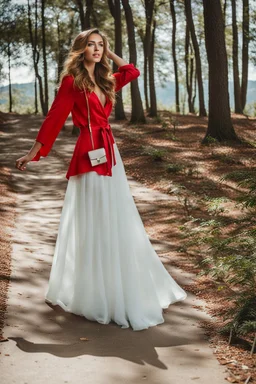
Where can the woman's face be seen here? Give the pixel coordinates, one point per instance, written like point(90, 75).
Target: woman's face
point(94, 48)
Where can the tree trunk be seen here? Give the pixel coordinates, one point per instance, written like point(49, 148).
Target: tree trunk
point(115, 10)
point(35, 52)
point(59, 53)
point(189, 70)
point(245, 52)
point(224, 13)
point(194, 92)
point(236, 80)
point(36, 98)
point(188, 11)
point(88, 12)
point(81, 13)
point(137, 115)
point(85, 17)
point(174, 57)
point(46, 96)
point(9, 77)
point(145, 73)
point(152, 88)
point(149, 9)
point(219, 124)
point(141, 33)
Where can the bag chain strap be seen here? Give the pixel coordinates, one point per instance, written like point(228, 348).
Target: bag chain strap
point(89, 118)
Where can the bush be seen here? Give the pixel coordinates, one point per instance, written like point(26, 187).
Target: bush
point(230, 255)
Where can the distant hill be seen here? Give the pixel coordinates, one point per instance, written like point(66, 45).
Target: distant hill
point(23, 95)
point(166, 95)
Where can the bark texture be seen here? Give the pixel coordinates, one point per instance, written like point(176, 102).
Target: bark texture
point(245, 52)
point(174, 57)
point(137, 114)
point(236, 80)
point(115, 10)
point(219, 124)
point(190, 22)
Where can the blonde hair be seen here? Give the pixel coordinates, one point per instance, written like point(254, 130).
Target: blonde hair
point(74, 66)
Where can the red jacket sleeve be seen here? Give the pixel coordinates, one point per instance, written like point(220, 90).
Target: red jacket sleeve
point(56, 117)
point(125, 74)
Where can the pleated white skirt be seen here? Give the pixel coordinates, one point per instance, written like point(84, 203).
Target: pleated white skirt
point(104, 266)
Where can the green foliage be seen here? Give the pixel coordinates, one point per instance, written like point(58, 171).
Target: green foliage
point(245, 179)
point(215, 205)
point(230, 256)
point(156, 154)
point(225, 158)
point(242, 318)
point(230, 259)
point(175, 168)
point(174, 123)
point(209, 140)
point(171, 136)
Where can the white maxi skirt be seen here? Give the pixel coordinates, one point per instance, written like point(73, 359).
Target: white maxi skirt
point(104, 266)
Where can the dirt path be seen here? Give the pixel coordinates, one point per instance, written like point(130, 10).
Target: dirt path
point(45, 343)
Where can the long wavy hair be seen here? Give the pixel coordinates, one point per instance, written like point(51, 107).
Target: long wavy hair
point(74, 66)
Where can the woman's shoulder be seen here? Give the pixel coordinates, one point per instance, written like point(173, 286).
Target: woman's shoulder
point(67, 84)
point(68, 80)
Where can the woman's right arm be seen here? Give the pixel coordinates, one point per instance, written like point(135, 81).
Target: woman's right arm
point(54, 121)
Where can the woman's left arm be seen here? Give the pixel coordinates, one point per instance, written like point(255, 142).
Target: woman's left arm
point(126, 72)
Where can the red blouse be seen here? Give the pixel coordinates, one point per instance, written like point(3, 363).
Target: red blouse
point(71, 99)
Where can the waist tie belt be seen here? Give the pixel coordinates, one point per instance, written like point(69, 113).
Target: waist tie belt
point(108, 141)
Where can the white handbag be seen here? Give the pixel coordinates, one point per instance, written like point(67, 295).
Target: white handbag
point(96, 156)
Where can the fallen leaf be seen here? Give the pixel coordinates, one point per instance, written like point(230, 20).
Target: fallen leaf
point(84, 339)
point(223, 362)
point(231, 379)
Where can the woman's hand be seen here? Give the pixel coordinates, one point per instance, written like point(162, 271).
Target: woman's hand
point(108, 51)
point(22, 162)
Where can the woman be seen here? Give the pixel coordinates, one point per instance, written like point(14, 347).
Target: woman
point(104, 267)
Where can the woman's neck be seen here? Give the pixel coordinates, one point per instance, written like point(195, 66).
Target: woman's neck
point(90, 68)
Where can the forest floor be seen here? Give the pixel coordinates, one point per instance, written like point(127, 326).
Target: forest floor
point(164, 155)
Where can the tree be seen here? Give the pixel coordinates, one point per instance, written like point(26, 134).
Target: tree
point(45, 105)
point(148, 46)
point(11, 36)
point(245, 51)
point(137, 115)
point(219, 124)
point(84, 16)
point(189, 18)
point(237, 89)
point(34, 41)
point(151, 72)
point(115, 10)
point(174, 23)
point(189, 62)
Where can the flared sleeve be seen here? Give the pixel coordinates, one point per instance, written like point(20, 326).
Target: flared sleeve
point(126, 73)
point(56, 117)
